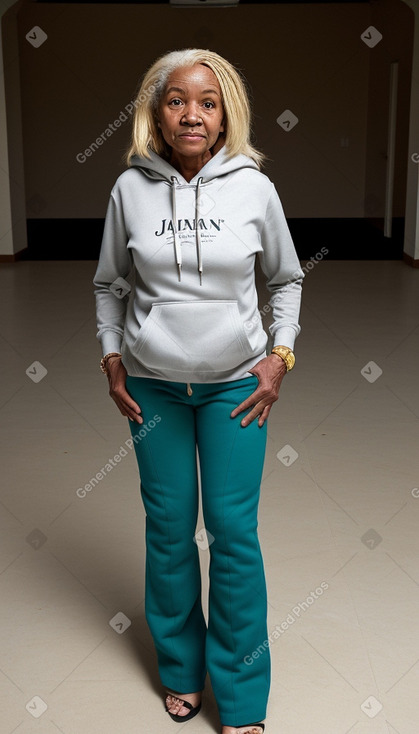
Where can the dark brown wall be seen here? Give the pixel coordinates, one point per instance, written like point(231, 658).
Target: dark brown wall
point(396, 23)
point(306, 58)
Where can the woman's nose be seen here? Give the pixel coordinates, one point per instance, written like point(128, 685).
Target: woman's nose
point(191, 115)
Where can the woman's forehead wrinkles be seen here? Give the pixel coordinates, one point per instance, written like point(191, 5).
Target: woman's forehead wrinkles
point(194, 76)
point(178, 86)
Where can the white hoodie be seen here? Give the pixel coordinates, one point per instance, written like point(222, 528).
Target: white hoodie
point(192, 312)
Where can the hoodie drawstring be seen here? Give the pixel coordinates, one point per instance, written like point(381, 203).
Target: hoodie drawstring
point(178, 249)
point(197, 230)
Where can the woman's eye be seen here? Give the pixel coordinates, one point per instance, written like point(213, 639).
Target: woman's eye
point(176, 102)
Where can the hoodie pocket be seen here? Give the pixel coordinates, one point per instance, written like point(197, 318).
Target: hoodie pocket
point(192, 336)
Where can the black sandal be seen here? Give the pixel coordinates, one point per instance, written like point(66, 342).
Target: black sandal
point(194, 710)
point(249, 726)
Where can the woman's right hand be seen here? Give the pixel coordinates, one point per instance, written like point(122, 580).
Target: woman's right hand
point(116, 374)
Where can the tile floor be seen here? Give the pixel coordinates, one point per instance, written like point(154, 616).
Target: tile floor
point(338, 520)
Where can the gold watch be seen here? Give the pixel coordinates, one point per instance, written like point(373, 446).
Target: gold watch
point(287, 355)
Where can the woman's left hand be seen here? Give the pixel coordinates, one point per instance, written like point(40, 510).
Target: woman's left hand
point(269, 371)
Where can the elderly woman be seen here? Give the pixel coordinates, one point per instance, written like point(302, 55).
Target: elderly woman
point(185, 354)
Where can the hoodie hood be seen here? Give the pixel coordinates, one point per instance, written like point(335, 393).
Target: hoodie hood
point(158, 168)
point(219, 165)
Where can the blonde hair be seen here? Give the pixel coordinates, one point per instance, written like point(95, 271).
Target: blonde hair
point(147, 136)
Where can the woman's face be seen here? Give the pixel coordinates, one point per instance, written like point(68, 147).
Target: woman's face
point(191, 112)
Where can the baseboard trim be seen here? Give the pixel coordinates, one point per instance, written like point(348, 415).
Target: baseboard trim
point(345, 239)
point(409, 260)
point(21, 255)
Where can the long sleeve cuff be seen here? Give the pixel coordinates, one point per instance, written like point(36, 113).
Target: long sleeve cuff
point(111, 342)
point(284, 337)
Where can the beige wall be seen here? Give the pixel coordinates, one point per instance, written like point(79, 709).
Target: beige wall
point(12, 181)
point(307, 58)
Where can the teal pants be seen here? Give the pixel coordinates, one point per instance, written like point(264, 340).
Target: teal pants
point(231, 458)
